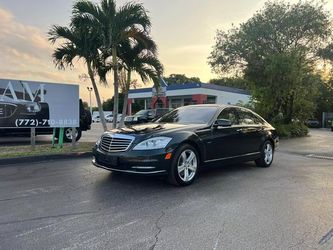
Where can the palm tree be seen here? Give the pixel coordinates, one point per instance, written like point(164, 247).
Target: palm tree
point(136, 58)
point(80, 42)
point(117, 25)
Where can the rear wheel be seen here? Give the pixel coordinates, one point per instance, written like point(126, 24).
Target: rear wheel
point(184, 166)
point(267, 155)
point(68, 134)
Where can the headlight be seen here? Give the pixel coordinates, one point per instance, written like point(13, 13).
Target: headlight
point(135, 118)
point(33, 108)
point(99, 141)
point(153, 143)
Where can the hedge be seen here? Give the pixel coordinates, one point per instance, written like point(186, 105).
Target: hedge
point(291, 130)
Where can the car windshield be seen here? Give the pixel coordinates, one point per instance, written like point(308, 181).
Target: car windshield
point(186, 115)
point(141, 112)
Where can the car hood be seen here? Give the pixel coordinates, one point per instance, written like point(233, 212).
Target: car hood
point(160, 128)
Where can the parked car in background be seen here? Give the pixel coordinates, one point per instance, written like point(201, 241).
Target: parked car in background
point(109, 118)
point(145, 115)
point(186, 139)
point(85, 124)
point(96, 118)
point(312, 123)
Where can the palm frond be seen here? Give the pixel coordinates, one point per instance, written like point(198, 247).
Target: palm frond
point(59, 32)
point(64, 55)
point(109, 9)
point(88, 8)
point(147, 73)
point(152, 61)
point(140, 37)
point(132, 15)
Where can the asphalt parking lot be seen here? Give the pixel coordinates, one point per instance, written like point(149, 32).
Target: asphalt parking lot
point(70, 204)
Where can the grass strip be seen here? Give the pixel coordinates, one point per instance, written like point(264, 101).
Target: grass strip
point(45, 149)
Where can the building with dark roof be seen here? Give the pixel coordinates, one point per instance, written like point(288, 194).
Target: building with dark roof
point(176, 95)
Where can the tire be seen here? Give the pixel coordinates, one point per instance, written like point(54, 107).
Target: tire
point(183, 176)
point(68, 134)
point(267, 155)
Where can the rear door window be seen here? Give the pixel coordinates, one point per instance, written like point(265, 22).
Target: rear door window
point(248, 118)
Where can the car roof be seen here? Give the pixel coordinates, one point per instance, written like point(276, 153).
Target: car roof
point(219, 106)
point(208, 105)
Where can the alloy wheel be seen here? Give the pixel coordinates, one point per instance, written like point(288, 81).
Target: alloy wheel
point(68, 133)
point(187, 165)
point(268, 151)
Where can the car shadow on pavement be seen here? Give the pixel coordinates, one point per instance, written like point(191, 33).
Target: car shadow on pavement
point(206, 173)
point(121, 191)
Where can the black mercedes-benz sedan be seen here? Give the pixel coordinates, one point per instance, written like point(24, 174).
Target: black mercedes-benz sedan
point(186, 139)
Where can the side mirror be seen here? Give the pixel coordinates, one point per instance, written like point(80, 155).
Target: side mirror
point(222, 123)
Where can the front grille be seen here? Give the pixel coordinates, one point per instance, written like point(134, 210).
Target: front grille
point(115, 143)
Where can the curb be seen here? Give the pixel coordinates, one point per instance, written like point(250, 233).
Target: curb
point(41, 158)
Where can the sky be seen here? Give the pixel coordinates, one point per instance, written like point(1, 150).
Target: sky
point(184, 31)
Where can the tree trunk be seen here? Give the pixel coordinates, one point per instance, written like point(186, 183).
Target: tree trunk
point(127, 86)
point(115, 87)
point(291, 107)
point(98, 99)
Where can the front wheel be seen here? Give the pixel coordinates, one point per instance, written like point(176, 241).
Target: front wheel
point(267, 155)
point(68, 134)
point(184, 167)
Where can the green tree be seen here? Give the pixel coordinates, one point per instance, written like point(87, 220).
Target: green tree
point(277, 50)
point(78, 41)
point(116, 26)
point(234, 82)
point(324, 101)
point(85, 105)
point(180, 79)
point(108, 104)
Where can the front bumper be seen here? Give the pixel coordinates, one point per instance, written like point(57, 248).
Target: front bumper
point(276, 143)
point(144, 162)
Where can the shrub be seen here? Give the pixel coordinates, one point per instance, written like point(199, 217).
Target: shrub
point(291, 130)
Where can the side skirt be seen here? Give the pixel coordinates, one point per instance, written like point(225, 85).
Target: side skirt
point(235, 159)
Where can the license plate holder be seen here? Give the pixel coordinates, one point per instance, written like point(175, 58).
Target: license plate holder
point(112, 160)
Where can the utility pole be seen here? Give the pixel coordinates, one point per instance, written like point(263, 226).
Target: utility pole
point(90, 89)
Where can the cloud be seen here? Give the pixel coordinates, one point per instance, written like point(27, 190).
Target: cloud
point(23, 48)
point(26, 53)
